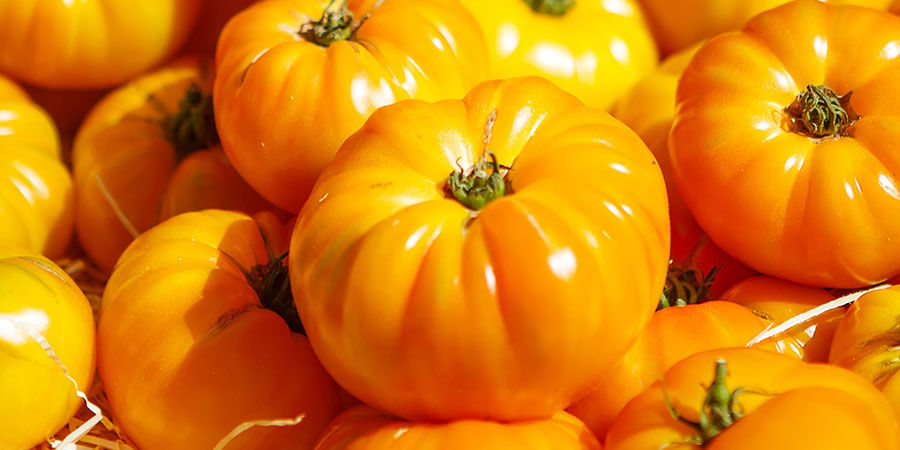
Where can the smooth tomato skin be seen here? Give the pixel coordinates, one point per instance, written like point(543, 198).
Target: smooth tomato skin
point(128, 177)
point(366, 428)
point(779, 300)
point(89, 44)
point(39, 297)
point(777, 401)
point(36, 192)
point(866, 341)
point(672, 334)
point(678, 24)
point(468, 319)
point(186, 351)
point(596, 50)
point(648, 108)
point(815, 212)
point(285, 105)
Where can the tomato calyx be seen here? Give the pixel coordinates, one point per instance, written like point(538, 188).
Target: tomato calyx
point(550, 7)
point(686, 285)
point(336, 24)
point(272, 286)
point(479, 185)
point(720, 409)
point(820, 113)
point(193, 127)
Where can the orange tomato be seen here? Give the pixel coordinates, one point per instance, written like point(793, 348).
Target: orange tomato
point(779, 165)
point(678, 24)
point(147, 152)
point(365, 428)
point(89, 44)
point(36, 189)
point(648, 108)
point(866, 341)
point(40, 302)
point(295, 79)
point(753, 399)
point(197, 336)
point(504, 310)
point(595, 49)
point(779, 300)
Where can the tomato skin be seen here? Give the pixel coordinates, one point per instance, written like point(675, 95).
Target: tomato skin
point(129, 177)
point(469, 318)
point(36, 192)
point(778, 392)
point(813, 211)
point(37, 398)
point(596, 50)
point(364, 427)
point(186, 350)
point(282, 120)
point(677, 25)
point(89, 44)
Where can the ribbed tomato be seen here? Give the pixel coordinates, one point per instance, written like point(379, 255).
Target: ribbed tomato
point(483, 258)
point(297, 77)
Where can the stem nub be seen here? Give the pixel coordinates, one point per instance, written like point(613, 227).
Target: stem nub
point(686, 286)
point(272, 285)
point(719, 411)
point(336, 24)
point(479, 185)
point(550, 7)
point(193, 127)
point(818, 112)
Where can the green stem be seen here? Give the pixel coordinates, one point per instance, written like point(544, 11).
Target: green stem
point(719, 411)
point(686, 286)
point(550, 7)
point(479, 185)
point(193, 127)
point(818, 112)
point(336, 24)
point(272, 285)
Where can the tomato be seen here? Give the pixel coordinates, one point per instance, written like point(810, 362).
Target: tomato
point(290, 88)
point(648, 108)
point(149, 151)
point(364, 427)
point(213, 16)
point(779, 300)
point(866, 341)
point(39, 300)
point(673, 334)
point(595, 49)
point(89, 44)
point(752, 399)
point(504, 310)
point(811, 201)
point(677, 25)
point(197, 336)
point(36, 188)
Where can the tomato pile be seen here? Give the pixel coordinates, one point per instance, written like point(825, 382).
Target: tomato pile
point(449, 224)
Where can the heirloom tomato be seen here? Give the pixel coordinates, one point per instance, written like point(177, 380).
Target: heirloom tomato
point(867, 341)
point(594, 49)
point(88, 44)
point(678, 24)
point(41, 310)
point(365, 428)
point(198, 335)
point(297, 77)
point(35, 186)
point(485, 258)
point(648, 108)
point(148, 151)
point(750, 399)
point(779, 300)
point(783, 144)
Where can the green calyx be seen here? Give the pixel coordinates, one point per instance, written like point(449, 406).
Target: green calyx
point(550, 7)
point(686, 286)
point(477, 186)
point(818, 112)
point(193, 127)
point(336, 24)
point(272, 285)
point(720, 409)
